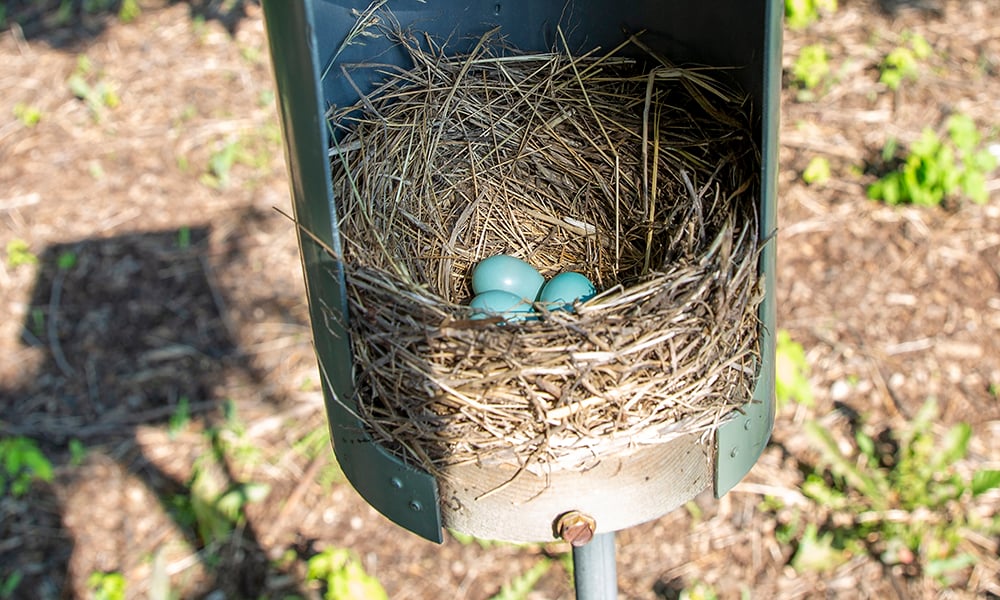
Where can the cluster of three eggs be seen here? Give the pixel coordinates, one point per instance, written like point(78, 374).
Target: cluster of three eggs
point(507, 287)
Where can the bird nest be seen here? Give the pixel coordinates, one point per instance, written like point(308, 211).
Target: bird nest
point(639, 174)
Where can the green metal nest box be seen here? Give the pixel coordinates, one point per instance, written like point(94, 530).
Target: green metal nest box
point(305, 36)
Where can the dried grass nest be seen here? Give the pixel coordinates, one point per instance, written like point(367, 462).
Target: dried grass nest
point(639, 174)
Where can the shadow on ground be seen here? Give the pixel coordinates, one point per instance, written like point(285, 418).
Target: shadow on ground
point(127, 331)
point(68, 23)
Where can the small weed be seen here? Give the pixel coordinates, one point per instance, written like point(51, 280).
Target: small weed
point(818, 552)
point(699, 590)
point(77, 452)
point(902, 63)
point(28, 115)
point(184, 238)
point(938, 167)
point(19, 254)
point(520, 587)
point(254, 150)
point(994, 390)
point(96, 170)
point(180, 418)
point(8, 584)
point(98, 96)
point(37, 321)
point(64, 14)
point(465, 539)
point(791, 372)
point(265, 98)
point(341, 574)
point(214, 508)
point(897, 497)
point(231, 440)
point(811, 68)
point(66, 260)
point(221, 163)
point(106, 586)
point(21, 463)
point(800, 14)
point(817, 171)
point(129, 11)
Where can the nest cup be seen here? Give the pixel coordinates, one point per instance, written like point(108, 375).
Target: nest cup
point(637, 173)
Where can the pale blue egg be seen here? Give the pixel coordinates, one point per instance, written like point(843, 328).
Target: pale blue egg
point(498, 303)
point(507, 273)
point(566, 288)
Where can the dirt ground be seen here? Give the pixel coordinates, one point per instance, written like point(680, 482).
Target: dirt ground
point(185, 289)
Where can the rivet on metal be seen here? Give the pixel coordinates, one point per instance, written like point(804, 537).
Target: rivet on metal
point(575, 527)
point(396, 483)
point(416, 506)
point(734, 451)
point(747, 424)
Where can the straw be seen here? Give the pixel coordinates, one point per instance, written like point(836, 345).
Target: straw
point(638, 174)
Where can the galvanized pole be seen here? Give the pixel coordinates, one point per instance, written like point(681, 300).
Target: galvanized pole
point(594, 573)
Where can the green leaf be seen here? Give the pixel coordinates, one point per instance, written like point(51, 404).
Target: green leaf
point(816, 488)
point(791, 371)
point(343, 575)
point(107, 586)
point(39, 466)
point(921, 48)
point(19, 253)
point(66, 260)
point(963, 132)
point(817, 553)
point(942, 566)
point(9, 584)
point(811, 67)
point(956, 446)
point(985, 480)
point(79, 87)
point(817, 172)
point(522, 585)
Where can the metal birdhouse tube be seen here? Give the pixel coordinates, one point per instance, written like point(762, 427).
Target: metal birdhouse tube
point(317, 71)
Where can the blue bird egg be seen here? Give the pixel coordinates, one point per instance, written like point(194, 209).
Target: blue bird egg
point(509, 274)
point(498, 303)
point(565, 289)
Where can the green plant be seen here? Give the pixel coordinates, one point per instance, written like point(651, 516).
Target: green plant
point(184, 238)
point(817, 171)
point(180, 418)
point(215, 506)
point(21, 463)
point(699, 590)
point(812, 67)
point(28, 115)
point(8, 584)
point(98, 96)
point(803, 13)
point(791, 372)
point(902, 62)
point(66, 260)
point(937, 167)
point(521, 586)
point(77, 452)
point(129, 11)
point(221, 163)
point(340, 572)
point(19, 253)
point(106, 586)
point(898, 497)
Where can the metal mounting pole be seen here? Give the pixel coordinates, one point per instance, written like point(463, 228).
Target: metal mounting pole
point(594, 573)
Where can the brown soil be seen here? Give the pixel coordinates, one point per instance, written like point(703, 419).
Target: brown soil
point(188, 289)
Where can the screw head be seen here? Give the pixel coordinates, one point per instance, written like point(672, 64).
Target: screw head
point(576, 527)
